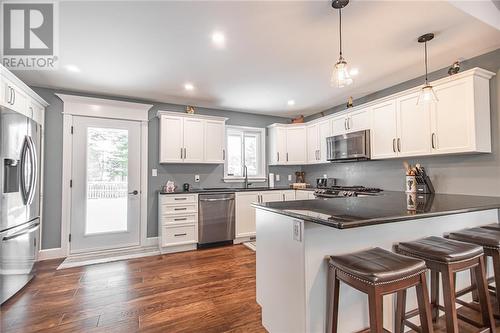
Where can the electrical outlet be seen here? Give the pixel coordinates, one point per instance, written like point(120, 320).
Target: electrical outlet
point(196, 178)
point(277, 177)
point(325, 176)
point(154, 172)
point(297, 234)
point(289, 178)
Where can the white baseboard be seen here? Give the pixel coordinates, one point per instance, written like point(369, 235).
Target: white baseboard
point(48, 254)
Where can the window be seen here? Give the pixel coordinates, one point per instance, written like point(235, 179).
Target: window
point(246, 147)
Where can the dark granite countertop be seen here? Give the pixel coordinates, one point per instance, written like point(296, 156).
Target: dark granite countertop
point(234, 189)
point(352, 212)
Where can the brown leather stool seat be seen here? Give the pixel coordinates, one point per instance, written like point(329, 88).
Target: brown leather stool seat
point(377, 272)
point(376, 266)
point(446, 257)
point(488, 238)
point(440, 250)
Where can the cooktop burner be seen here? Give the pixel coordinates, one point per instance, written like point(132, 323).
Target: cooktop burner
point(346, 191)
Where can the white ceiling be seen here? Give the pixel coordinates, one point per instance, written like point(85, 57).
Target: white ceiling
point(275, 51)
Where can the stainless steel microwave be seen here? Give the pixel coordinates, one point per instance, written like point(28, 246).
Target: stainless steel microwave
point(348, 147)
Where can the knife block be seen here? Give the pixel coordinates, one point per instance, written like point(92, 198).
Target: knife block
point(424, 184)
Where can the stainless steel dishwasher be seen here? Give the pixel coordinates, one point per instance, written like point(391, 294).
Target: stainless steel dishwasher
point(216, 219)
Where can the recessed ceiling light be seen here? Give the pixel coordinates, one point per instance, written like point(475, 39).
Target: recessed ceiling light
point(72, 68)
point(189, 86)
point(219, 39)
point(354, 71)
point(291, 102)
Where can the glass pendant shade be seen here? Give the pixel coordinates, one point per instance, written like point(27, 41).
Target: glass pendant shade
point(427, 95)
point(340, 75)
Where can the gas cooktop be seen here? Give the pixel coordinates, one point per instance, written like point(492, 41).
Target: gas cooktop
point(346, 191)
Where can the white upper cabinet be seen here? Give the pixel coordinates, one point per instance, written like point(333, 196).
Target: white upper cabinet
point(413, 122)
point(191, 139)
point(287, 144)
point(215, 150)
point(383, 130)
point(316, 142)
point(352, 121)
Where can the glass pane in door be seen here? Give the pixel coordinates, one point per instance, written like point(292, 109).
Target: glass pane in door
point(107, 180)
point(234, 154)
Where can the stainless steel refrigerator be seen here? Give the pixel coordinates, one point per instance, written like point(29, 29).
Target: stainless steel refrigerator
point(20, 139)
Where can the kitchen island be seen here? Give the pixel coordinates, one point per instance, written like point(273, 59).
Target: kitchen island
point(294, 239)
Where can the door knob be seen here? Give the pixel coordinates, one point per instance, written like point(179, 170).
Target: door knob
point(134, 192)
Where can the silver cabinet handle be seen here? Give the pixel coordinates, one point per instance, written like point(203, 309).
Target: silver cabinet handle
point(14, 96)
point(185, 153)
point(219, 199)
point(181, 153)
point(399, 144)
point(181, 219)
point(223, 154)
point(182, 198)
point(134, 192)
point(287, 157)
point(9, 89)
point(433, 137)
point(178, 235)
point(319, 154)
point(278, 156)
point(394, 145)
point(345, 124)
point(180, 208)
point(283, 196)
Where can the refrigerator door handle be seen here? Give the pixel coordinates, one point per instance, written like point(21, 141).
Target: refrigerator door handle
point(34, 170)
point(24, 189)
point(22, 232)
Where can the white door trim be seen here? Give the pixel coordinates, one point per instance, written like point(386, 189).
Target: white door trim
point(80, 104)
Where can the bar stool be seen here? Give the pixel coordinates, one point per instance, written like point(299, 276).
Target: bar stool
point(377, 272)
point(489, 238)
point(447, 257)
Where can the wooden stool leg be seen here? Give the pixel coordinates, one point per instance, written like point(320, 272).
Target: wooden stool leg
point(424, 305)
point(435, 295)
point(333, 300)
point(482, 292)
point(473, 283)
point(376, 310)
point(496, 272)
point(400, 311)
point(449, 301)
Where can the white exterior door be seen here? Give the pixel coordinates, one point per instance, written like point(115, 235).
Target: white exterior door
point(414, 129)
point(214, 141)
point(296, 146)
point(384, 130)
point(105, 196)
point(193, 140)
point(451, 117)
point(171, 139)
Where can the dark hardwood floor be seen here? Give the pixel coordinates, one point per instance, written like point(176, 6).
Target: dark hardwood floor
point(200, 291)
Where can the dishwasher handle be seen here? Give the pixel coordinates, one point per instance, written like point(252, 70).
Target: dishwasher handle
point(220, 199)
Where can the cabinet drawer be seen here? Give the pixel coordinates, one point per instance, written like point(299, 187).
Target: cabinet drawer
point(179, 209)
point(178, 199)
point(188, 218)
point(178, 235)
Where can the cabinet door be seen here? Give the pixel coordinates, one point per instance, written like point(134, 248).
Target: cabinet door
point(171, 137)
point(296, 148)
point(214, 141)
point(37, 112)
point(271, 196)
point(302, 195)
point(312, 143)
point(5, 93)
point(358, 120)
point(277, 145)
point(245, 214)
point(452, 117)
point(383, 130)
point(339, 125)
point(414, 130)
point(324, 132)
point(193, 134)
point(288, 195)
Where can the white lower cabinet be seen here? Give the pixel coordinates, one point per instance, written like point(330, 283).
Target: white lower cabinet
point(178, 222)
point(304, 195)
point(288, 195)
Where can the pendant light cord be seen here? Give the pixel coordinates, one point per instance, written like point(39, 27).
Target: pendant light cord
point(425, 48)
point(340, 30)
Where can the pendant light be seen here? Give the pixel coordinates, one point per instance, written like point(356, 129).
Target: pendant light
point(427, 94)
point(340, 75)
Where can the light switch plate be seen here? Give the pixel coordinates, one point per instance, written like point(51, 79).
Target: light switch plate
point(154, 172)
point(196, 178)
point(325, 176)
point(297, 232)
point(277, 177)
point(289, 178)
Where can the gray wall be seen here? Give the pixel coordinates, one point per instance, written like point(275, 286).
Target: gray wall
point(477, 174)
point(211, 175)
